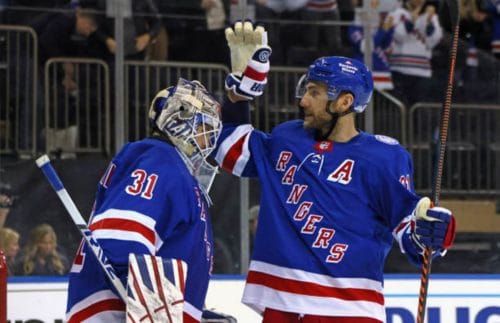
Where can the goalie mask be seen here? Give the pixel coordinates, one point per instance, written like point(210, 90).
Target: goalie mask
point(190, 117)
point(340, 74)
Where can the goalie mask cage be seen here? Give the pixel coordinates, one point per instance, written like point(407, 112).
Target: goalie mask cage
point(3, 288)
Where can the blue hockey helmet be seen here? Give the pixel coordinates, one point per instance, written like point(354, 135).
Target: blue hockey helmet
point(340, 74)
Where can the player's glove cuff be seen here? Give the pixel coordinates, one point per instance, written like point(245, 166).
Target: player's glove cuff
point(251, 84)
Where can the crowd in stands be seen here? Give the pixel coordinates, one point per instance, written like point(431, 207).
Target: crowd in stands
point(410, 48)
point(409, 37)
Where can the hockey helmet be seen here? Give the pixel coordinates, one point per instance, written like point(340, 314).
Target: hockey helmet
point(340, 74)
point(190, 117)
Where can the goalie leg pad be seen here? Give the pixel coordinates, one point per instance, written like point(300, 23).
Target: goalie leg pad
point(155, 289)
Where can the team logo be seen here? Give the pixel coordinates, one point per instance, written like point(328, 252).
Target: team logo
point(263, 55)
point(386, 140)
point(323, 146)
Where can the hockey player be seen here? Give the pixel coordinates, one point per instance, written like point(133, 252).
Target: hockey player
point(333, 197)
point(149, 201)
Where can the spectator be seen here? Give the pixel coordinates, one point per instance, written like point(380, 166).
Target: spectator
point(141, 30)
point(9, 243)
point(382, 31)
point(57, 39)
point(416, 32)
point(472, 34)
point(6, 202)
point(494, 9)
point(324, 38)
point(282, 36)
point(41, 255)
point(213, 36)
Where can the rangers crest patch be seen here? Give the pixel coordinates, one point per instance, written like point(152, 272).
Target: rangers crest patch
point(386, 140)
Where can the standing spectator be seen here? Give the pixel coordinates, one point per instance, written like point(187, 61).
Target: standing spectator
point(468, 86)
point(494, 9)
point(283, 36)
point(57, 39)
point(324, 38)
point(41, 255)
point(9, 243)
point(382, 30)
point(6, 202)
point(140, 31)
point(213, 35)
point(416, 32)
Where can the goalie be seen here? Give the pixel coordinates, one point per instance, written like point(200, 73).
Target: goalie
point(333, 197)
point(152, 202)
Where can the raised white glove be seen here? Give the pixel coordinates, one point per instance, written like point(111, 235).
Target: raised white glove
point(249, 59)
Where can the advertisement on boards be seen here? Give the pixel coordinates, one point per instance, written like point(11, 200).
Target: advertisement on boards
point(451, 299)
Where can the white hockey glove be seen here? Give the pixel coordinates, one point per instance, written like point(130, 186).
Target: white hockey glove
point(249, 59)
point(155, 289)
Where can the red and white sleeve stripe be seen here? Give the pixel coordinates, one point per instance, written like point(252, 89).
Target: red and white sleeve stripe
point(234, 154)
point(126, 225)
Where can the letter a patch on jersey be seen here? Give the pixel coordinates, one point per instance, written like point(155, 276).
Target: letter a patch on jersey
point(343, 173)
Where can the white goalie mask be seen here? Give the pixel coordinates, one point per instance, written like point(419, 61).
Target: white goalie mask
point(190, 117)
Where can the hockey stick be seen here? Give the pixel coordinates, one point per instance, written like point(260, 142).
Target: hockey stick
point(44, 164)
point(443, 135)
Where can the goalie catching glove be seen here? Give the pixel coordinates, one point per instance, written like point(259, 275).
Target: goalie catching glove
point(427, 227)
point(249, 59)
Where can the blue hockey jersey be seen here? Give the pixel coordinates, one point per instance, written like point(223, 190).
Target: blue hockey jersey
point(328, 215)
point(147, 202)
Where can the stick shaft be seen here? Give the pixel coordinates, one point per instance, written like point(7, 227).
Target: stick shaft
point(44, 163)
point(443, 137)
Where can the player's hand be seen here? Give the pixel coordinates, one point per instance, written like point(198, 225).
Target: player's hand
point(249, 59)
point(434, 226)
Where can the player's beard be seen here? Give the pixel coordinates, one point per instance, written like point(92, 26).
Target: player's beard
point(323, 124)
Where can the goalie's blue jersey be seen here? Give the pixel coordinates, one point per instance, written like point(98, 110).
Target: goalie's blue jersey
point(328, 212)
point(147, 202)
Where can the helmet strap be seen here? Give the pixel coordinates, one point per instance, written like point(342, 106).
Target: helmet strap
point(335, 117)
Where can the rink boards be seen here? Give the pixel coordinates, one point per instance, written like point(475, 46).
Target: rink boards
point(452, 298)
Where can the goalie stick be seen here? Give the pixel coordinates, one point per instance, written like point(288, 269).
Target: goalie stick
point(44, 164)
point(443, 135)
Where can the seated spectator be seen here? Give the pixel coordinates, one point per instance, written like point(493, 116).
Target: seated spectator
point(9, 243)
point(41, 255)
point(416, 32)
point(382, 29)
